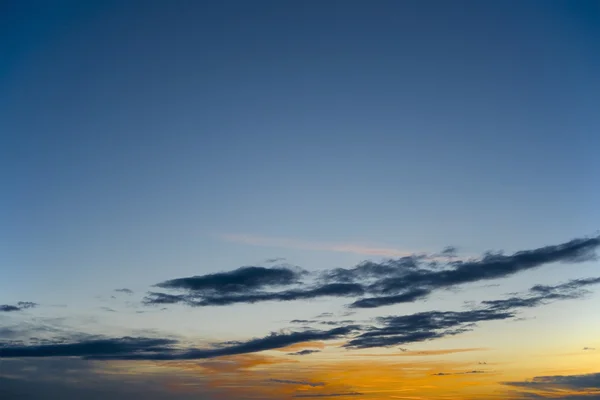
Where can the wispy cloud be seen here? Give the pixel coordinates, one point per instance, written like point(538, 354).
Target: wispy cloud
point(560, 387)
point(158, 349)
point(124, 290)
point(389, 331)
point(287, 243)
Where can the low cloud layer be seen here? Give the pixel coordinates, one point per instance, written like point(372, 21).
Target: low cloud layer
point(403, 280)
point(388, 331)
point(561, 387)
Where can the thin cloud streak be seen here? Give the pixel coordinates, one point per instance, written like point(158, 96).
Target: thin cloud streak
point(301, 383)
point(329, 395)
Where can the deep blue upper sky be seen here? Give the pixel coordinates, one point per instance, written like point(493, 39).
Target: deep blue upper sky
point(134, 132)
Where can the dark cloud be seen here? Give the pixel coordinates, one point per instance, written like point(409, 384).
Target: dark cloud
point(128, 348)
point(325, 315)
point(566, 287)
point(303, 383)
point(241, 280)
point(423, 326)
point(460, 373)
point(21, 305)
point(304, 352)
point(404, 280)
point(410, 275)
point(565, 382)
point(124, 290)
point(589, 348)
point(328, 395)
point(8, 308)
point(108, 309)
point(542, 294)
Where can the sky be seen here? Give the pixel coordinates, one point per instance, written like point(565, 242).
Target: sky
point(299, 199)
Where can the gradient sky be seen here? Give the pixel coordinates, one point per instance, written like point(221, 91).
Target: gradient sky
point(144, 141)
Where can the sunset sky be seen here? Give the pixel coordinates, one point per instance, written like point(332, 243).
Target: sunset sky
point(269, 200)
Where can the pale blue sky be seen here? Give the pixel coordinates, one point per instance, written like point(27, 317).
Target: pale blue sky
point(133, 135)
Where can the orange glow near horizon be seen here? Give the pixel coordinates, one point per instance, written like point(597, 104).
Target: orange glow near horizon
point(436, 376)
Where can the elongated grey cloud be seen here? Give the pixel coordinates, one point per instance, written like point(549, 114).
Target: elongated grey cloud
point(124, 290)
point(406, 297)
point(304, 383)
point(404, 280)
point(241, 280)
point(307, 395)
point(460, 373)
point(423, 326)
point(551, 383)
point(399, 285)
point(88, 348)
point(21, 305)
point(304, 352)
point(270, 342)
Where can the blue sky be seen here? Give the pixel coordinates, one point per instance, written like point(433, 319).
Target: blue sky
point(142, 141)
